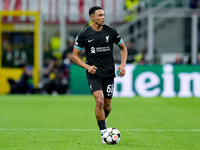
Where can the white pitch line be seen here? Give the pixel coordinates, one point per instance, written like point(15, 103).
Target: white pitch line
point(128, 130)
point(49, 129)
point(163, 130)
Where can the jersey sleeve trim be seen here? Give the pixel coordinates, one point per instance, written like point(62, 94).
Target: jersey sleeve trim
point(119, 42)
point(80, 48)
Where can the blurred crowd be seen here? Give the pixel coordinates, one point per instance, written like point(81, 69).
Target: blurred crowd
point(54, 78)
point(194, 4)
point(56, 66)
point(56, 73)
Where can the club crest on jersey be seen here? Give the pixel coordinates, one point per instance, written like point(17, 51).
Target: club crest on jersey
point(92, 50)
point(107, 39)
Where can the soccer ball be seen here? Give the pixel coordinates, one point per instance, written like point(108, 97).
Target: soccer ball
point(111, 136)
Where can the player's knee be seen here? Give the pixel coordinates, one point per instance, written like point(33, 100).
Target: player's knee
point(99, 102)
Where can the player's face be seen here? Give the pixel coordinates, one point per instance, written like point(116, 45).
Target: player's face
point(99, 17)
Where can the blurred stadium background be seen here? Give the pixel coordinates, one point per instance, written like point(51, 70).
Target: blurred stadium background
point(162, 37)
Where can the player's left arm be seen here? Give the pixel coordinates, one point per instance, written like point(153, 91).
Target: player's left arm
point(124, 54)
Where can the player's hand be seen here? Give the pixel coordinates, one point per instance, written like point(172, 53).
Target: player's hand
point(122, 70)
point(92, 69)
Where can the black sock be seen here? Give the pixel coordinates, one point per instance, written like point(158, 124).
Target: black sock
point(106, 113)
point(102, 124)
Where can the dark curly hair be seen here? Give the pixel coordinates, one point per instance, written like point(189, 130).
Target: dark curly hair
point(93, 9)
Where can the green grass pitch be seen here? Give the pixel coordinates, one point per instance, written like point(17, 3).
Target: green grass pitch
point(37, 122)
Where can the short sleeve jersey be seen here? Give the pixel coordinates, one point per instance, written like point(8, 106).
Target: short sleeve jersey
point(99, 49)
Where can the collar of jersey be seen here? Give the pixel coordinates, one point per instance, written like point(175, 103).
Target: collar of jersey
point(97, 31)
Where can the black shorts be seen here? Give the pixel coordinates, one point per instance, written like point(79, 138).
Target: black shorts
point(105, 85)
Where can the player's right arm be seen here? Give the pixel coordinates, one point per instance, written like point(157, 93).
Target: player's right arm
point(77, 60)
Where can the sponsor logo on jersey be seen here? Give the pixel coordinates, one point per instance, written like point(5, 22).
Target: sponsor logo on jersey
point(92, 50)
point(102, 49)
point(99, 49)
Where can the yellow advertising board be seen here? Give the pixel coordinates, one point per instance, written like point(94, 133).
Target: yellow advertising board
point(10, 28)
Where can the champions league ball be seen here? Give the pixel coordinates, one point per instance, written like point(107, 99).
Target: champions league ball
point(111, 136)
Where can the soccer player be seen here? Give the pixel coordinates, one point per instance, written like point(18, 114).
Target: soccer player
point(98, 40)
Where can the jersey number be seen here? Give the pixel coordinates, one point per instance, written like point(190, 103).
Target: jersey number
point(110, 88)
